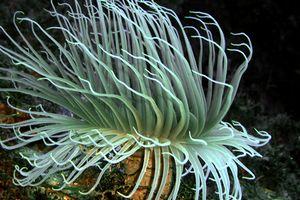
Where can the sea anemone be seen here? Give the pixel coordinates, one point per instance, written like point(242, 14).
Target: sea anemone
point(132, 78)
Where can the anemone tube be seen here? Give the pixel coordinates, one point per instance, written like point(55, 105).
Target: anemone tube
point(132, 80)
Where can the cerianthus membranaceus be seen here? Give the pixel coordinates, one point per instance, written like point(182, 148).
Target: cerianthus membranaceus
point(133, 78)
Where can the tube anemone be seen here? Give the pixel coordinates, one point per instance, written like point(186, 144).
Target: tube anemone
point(129, 75)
